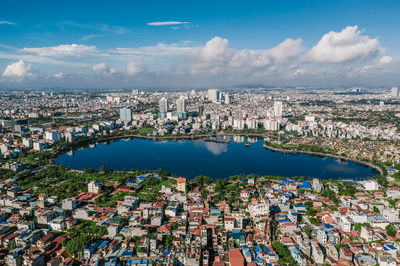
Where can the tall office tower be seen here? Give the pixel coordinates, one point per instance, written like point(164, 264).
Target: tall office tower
point(181, 105)
point(125, 114)
point(227, 98)
point(213, 95)
point(163, 105)
point(278, 108)
point(395, 92)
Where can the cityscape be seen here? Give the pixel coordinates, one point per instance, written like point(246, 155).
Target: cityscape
point(130, 137)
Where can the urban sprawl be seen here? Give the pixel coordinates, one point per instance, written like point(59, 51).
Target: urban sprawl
point(54, 215)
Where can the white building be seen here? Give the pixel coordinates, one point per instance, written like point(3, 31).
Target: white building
point(163, 104)
point(395, 92)
point(181, 105)
point(271, 124)
point(258, 209)
point(371, 185)
point(238, 124)
point(392, 215)
point(213, 95)
point(278, 108)
point(125, 114)
point(94, 187)
point(252, 123)
point(345, 224)
point(53, 136)
point(28, 143)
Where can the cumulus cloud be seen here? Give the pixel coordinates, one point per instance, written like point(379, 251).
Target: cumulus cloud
point(166, 23)
point(103, 69)
point(385, 60)
point(58, 75)
point(75, 50)
point(134, 68)
point(344, 46)
point(18, 70)
point(214, 55)
point(214, 63)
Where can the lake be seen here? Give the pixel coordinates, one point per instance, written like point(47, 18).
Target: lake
point(190, 158)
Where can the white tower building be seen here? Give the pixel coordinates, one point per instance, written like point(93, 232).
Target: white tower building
point(395, 92)
point(163, 103)
point(213, 95)
point(278, 108)
point(181, 105)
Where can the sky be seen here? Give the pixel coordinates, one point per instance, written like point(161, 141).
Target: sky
point(199, 44)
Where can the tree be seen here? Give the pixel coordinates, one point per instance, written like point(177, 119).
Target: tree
point(390, 230)
point(76, 245)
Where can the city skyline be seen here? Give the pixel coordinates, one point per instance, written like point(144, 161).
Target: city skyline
point(201, 46)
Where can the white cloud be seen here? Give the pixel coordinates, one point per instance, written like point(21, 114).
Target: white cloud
point(166, 23)
point(344, 46)
point(18, 70)
point(103, 69)
point(7, 22)
point(75, 50)
point(385, 60)
point(211, 57)
point(134, 68)
point(286, 50)
point(58, 75)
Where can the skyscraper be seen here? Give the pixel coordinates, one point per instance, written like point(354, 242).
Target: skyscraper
point(181, 105)
point(395, 92)
point(125, 114)
point(163, 103)
point(278, 108)
point(213, 95)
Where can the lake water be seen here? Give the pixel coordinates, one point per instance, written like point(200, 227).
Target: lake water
point(217, 160)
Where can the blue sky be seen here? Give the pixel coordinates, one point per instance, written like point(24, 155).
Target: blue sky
point(199, 43)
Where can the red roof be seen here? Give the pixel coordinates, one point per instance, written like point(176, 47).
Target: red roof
point(235, 257)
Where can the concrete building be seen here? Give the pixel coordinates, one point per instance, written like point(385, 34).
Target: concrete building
point(278, 108)
point(125, 114)
point(213, 95)
point(181, 184)
point(94, 187)
point(163, 105)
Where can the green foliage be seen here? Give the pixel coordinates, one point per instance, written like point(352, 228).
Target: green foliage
point(330, 194)
point(311, 212)
point(358, 226)
point(341, 245)
point(76, 245)
point(88, 228)
point(390, 230)
point(315, 221)
point(283, 253)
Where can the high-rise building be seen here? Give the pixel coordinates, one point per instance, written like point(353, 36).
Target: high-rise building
point(163, 103)
point(135, 92)
point(201, 110)
point(271, 124)
point(395, 92)
point(227, 98)
point(181, 105)
point(213, 95)
point(125, 114)
point(278, 108)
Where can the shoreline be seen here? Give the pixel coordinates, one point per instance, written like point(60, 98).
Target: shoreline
point(326, 155)
point(209, 139)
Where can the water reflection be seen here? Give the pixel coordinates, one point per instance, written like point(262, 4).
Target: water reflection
point(213, 147)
